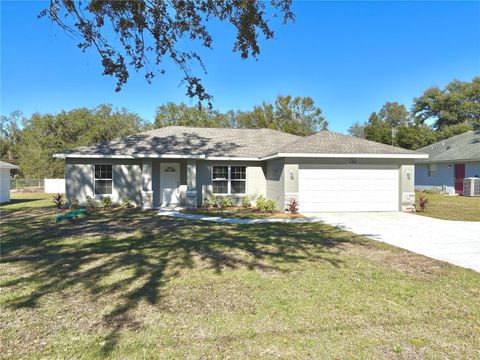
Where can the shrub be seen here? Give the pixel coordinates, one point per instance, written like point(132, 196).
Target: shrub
point(212, 201)
point(293, 206)
point(246, 202)
point(422, 202)
point(91, 203)
point(74, 204)
point(127, 204)
point(226, 202)
point(107, 202)
point(260, 201)
point(266, 206)
point(58, 200)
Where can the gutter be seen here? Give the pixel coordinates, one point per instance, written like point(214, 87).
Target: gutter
point(232, 158)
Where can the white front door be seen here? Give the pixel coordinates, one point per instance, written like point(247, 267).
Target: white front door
point(170, 183)
point(348, 188)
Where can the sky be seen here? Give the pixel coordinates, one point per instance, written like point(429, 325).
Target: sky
point(350, 57)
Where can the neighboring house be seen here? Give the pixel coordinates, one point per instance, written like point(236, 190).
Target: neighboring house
point(183, 166)
point(450, 161)
point(5, 169)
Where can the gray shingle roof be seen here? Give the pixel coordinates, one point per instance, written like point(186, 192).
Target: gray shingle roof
point(327, 142)
point(464, 146)
point(6, 165)
point(184, 140)
point(254, 143)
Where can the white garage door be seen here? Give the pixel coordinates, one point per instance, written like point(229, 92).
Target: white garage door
point(347, 188)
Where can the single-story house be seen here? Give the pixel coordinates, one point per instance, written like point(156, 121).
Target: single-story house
point(449, 162)
point(5, 169)
point(183, 166)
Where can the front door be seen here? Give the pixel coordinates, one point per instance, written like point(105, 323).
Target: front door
point(170, 183)
point(459, 175)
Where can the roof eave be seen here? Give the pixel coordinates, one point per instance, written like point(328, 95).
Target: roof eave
point(347, 155)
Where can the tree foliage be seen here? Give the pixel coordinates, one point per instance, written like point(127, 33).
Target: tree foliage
point(183, 115)
point(436, 115)
point(295, 115)
point(457, 103)
point(44, 135)
point(147, 32)
point(10, 135)
point(298, 115)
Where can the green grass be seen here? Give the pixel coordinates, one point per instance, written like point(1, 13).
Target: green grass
point(131, 284)
point(450, 207)
point(23, 201)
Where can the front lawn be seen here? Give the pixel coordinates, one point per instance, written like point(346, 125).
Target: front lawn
point(450, 207)
point(132, 284)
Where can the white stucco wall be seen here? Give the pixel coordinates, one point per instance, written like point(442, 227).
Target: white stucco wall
point(4, 185)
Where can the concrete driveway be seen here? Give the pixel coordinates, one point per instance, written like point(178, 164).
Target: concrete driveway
point(456, 242)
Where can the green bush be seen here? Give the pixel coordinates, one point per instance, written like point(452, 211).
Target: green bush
point(266, 206)
point(127, 204)
point(74, 204)
point(260, 201)
point(107, 202)
point(212, 201)
point(91, 203)
point(226, 202)
point(246, 202)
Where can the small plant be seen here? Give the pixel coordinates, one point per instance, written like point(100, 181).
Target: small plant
point(260, 201)
point(58, 200)
point(91, 203)
point(212, 201)
point(266, 206)
point(422, 202)
point(74, 204)
point(107, 202)
point(293, 206)
point(226, 202)
point(246, 202)
point(127, 204)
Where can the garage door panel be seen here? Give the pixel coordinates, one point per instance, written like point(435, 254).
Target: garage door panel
point(348, 189)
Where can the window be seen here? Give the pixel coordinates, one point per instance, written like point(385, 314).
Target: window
point(103, 179)
point(229, 180)
point(432, 170)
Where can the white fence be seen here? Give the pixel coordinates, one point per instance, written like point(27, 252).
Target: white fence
point(54, 186)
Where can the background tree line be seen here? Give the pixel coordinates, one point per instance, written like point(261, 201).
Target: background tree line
point(31, 143)
point(436, 115)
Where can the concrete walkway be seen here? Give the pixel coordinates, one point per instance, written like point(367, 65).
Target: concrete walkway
point(456, 242)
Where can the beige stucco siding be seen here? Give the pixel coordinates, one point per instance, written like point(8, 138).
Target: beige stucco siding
point(405, 166)
point(126, 174)
point(255, 182)
point(275, 182)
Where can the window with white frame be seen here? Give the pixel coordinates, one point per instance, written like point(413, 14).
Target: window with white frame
point(432, 170)
point(103, 181)
point(229, 180)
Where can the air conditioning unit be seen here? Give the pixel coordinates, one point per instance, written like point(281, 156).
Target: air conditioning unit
point(471, 186)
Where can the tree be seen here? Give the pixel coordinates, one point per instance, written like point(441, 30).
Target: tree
point(10, 134)
point(357, 130)
point(297, 115)
point(183, 115)
point(150, 31)
point(381, 126)
point(47, 134)
point(457, 103)
point(413, 136)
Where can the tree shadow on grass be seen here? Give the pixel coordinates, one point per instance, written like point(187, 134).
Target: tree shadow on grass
point(148, 251)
